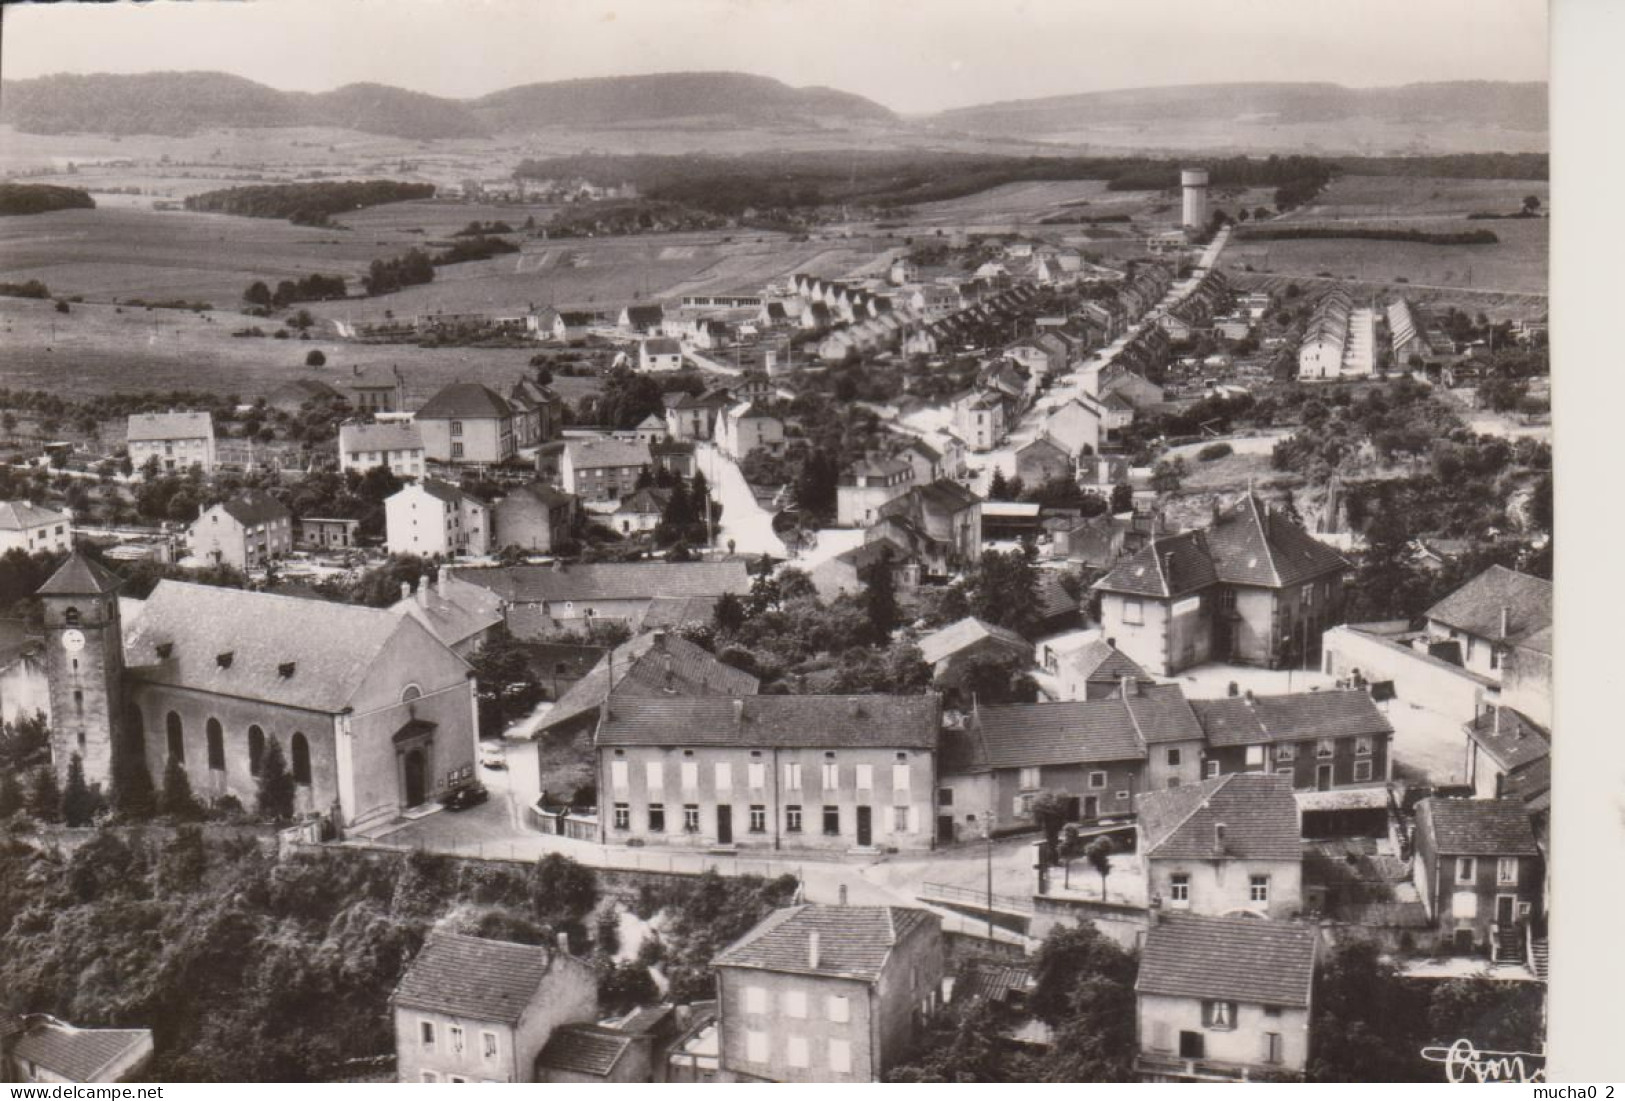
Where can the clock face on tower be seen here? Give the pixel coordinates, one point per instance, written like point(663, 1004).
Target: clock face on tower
point(73, 640)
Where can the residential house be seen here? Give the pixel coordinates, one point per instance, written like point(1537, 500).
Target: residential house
point(36, 1048)
point(828, 993)
point(292, 397)
point(660, 354)
point(1479, 872)
point(1103, 473)
point(394, 445)
point(470, 1009)
point(694, 416)
point(602, 468)
point(1097, 541)
point(949, 649)
point(939, 524)
point(32, 529)
point(1509, 757)
point(632, 1048)
point(433, 519)
point(650, 430)
point(535, 518)
point(743, 428)
point(462, 616)
point(1095, 671)
point(538, 413)
point(1231, 845)
point(868, 484)
point(641, 320)
point(467, 423)
point(375, 390)
point(569, 325)
point(247, 532)
point(1043, 460)
point(1317, 741)
point(927, 461)
point(642, 511)
point(1526, 676)
point(1078, 426)
point(1135, 389)
point(1254, 588)
point(655, 665)
point(1489, 616)
point(541, 600)
point(979, 419)
point(178, 441)
point(674, 457)
point(847, 572)
point(1224, 999)
point(803, 772)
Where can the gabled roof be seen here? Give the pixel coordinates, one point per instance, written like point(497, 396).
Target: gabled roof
point(472, 977)
point(25, 515)
point(80, 576)
point(1257, 810)
point(585, 1049)
point(465, 399)
point(463, 612)
point(818, 722)
point(854, 942)
point(968, 632)
point(1476, 827)
point(662, 346)
point(657, 665)
point(1026, 735)
point(1299, 716)
point(1240, 959)
point(305, 389)
point(918, 445)
point(329, 647)
point(1508, 736)
point(442, 491)
point(76, 1054)
point(1476, 607)
point(611, 580)
point(388, 436)
point(606, 451)
point(169, 426)
point(649, 499)
point(644, 315)
point(1100, 661)
point(255, 506)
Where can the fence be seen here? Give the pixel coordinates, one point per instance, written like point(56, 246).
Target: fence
point(972, 897)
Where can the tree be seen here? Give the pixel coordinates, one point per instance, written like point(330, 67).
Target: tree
point(1366, 1021)
point(274, 799)
point(1004, 590)
point(562, 891)
point(44, 795)
point(996, 678)
point(729, 615)
point(78, 801)
point(1050, 809)
point(998, 489)
point(1099, 855)
point(1122, 498)
point(1084, 989)
point(315, 358)
point(963, 1045)
point(1166, 476)
point(880, 597)
point(176, 800)
point(258, 294)
point(1531, 203)
point(11, 795)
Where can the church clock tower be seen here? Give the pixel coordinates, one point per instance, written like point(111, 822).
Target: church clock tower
point(84, 665)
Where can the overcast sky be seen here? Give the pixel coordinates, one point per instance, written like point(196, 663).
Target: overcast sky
point(910, 55)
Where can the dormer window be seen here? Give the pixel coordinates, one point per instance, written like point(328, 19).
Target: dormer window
point(164, 649)
point(223, 660)
point(285, 669)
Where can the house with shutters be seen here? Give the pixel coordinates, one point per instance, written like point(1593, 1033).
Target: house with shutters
point(1224, 999)
point(660, 354)
point(467, 423)
point(602, 468)
point(827, 993)
point(29, 528)
point(176, 440)
point(247, 532)
point(1480, 873)
point(1220, 847)
point(1253, 588)
point(1316, 741)
point(1488, 618)
point(979, 419)
point(471, 1009)
point(394, 445)
point(868, 484)
point(779, 773)
point(939, 524)
point(433, 519)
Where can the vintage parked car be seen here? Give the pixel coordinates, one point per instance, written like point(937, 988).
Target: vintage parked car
point(492, 755)
point(469, 795)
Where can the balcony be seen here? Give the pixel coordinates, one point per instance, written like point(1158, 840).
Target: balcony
point(1168, 1067)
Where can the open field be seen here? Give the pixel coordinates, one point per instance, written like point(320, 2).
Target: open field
point(1380, 198)
point(95, 350)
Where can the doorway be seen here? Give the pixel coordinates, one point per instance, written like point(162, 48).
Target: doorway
point(1191, 1046)
point(865, 827)
point(945, 828)
point(725, 824)
point(1091, 807)
point(1506, 908)
point(416, 778)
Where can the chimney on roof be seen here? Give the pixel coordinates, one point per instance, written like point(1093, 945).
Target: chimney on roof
point(1497, 712)
point(423, 591)
point(440, 581)
point(1506, 621)
point(1218, 837)
point(812, 951)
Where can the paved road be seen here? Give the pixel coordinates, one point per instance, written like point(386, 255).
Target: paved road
point(746, 523)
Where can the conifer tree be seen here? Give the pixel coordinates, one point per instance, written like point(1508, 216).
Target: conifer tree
point(45, 796)
point(176, 800)
point(275, 798)
point(78, 802)
point(11, 795)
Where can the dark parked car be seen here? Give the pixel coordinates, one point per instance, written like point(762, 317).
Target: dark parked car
point(470, 795)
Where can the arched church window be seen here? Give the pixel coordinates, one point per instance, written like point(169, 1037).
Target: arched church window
point(177, 737)
point(301, 759)
point(217, 744)
point(256, 750)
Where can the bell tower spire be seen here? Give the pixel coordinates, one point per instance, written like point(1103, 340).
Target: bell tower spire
point(84, 667)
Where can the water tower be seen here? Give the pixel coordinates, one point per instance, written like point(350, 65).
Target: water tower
point(1194, 183)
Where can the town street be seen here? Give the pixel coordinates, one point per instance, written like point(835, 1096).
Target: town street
point(746, 524)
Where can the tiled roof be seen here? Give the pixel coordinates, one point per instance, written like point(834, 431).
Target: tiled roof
point(1239, 959)
point(662, 346)
point(304, 389)
point(465, 399)
point(1299, 716)
point(331, 647)
point(605, 451)
point(388, 436)
point(1531, 783)
point(1476, 827)
point(649, 499)
point(817, 722)
point(876, 468)
point(542, 494)
point(483, 980)
point(80, 576)
point(640, 667)
point(612, 580)
point(584, 1049)
point(1513, 739)
point(966, 633)
point(984, 980)
point(1025, 735)
point(444, 491)
point(1161, 713)
point(1259, 815)
point(1167, 567)
point(1476, 607)
point(25, 515)
point(1101, 661)
point(675, 611)
point(76, 1054)
point(853, 941)
point(255, 506)
point(463, 612)
point(169, 426)
point(645, 315)
point(941, 495)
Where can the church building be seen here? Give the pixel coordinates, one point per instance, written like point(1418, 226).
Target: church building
point(373, 713)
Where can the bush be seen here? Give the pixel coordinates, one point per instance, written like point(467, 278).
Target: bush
point(1214, 451)
point(315, 358)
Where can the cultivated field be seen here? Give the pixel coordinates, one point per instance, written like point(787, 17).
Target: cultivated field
point(97, 350)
